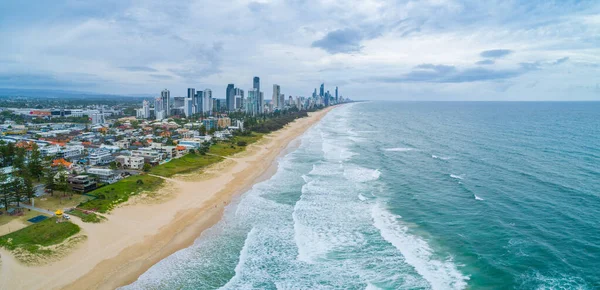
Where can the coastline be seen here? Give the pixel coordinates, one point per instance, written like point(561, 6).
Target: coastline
point(139, 235)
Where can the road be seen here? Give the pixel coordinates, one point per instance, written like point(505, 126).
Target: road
point(37, 209)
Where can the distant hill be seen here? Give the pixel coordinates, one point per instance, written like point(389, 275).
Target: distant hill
point(41, 93)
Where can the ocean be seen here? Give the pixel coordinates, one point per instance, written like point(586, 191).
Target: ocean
point(414, 195)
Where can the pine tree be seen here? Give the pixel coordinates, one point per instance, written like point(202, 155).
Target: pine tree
point(35, 167)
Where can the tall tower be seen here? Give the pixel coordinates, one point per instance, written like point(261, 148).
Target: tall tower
point(256, 83)
point(230, 97)
point(275, 98)
point(322, 90)
point(336, 94)
point(206, 102)
point(165, 97)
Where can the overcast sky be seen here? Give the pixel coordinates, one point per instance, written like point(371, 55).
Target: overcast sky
point(371, 49)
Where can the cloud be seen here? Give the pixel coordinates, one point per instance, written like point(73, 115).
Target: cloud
point(495, 53)
point(560, 60)
point(485, 62)
point(161, 77)
point(340, 41)
point(429, 73)
point(138, 68)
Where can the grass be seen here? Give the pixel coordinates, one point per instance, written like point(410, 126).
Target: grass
point(27, 214)
point(86, 216)
point(111, 195)
point(230, 147)
point(52, 203)
point(185, 164)
point(35, 238)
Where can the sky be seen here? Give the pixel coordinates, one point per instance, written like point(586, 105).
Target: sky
point(372, 49)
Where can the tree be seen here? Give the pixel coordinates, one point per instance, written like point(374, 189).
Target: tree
point(17, 189)
point(19, 160)
point(35, 168)
point(5, 190)
point(146, 167)
point(49, 180)
point(113, 165)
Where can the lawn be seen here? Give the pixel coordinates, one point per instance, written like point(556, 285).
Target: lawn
point(86, 216)
point(27, 214)
point(185, 164)
point(43, 234)
point(226, 148)
point(111, 195)
point(52, 203)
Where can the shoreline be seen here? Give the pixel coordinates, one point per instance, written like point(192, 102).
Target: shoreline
point(137, 236)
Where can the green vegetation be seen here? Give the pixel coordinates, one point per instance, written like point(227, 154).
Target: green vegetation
point(111, 195)
point(235, 145)
point(87, 217)
point(35, 238)
point(185, 164)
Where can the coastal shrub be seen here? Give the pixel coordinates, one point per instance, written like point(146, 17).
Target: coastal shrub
point(111, 195)
point(42, 234)
point(242, 143)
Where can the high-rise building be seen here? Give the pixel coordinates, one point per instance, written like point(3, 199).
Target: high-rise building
point(230, 97)
point(281, 102)
point(275, 98)
point(159, 111)
point(178, 102)
point(322, 90)
point(188, 107)
point(261, 103)
point(165, 96)
point(198, 102)
point(207, 101)
point(336, 94)
point(256, 83)
point(145, 109)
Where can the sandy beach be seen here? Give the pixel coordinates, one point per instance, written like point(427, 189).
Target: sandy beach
point(146, 230)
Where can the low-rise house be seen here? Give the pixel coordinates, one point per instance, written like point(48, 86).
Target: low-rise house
point(123, 144)
point(150, 156)
point(81, 183)
point(100, 157)
point(61, 162)
point(104, 175)
point(133, 162)
point(71, 151)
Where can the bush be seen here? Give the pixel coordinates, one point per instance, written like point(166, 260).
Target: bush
point(242, 143)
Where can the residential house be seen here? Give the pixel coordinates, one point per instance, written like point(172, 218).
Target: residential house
point(104, 175)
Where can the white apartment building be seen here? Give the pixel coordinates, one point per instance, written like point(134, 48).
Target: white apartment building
point(101, 157)
point(104, 175)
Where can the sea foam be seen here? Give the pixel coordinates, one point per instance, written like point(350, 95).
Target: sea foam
point(400, 149)
point(441, 274)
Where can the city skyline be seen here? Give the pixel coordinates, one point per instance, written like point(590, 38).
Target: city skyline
point(392, 50)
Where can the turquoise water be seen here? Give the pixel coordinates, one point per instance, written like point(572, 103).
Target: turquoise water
point(394, 195)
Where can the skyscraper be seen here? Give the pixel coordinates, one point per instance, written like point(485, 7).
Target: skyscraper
point(159, 110)
point(188, 107)
point(275, 97)
point(230, 97)
point(146, 109)
point(336, 94)
point(207, 101)
point(322, 90)
point(256, 83)
point(165, 97)
point(178, 102)
point(198, 102)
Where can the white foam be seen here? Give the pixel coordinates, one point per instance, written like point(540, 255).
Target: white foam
point(477, 197)
point(400, 149)
point(361, 197)
point(240, 265)
point(361, 174)
point(440, 274)
point(456, 176)
point(440, 157)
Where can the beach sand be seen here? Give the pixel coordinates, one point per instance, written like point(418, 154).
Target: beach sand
point(142, 232)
